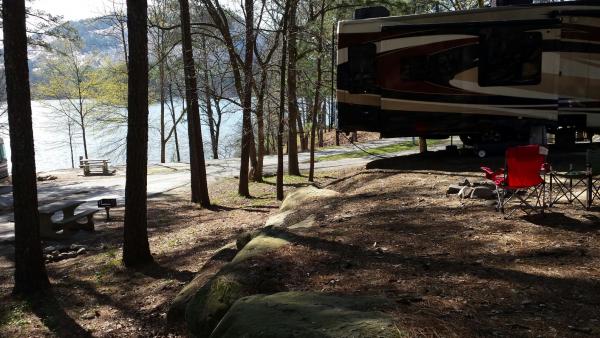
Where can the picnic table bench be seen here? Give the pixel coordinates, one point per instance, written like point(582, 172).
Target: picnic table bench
point(94, 166)
point(68, 223)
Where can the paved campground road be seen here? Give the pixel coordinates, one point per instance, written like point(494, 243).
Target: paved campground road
point(169, 176)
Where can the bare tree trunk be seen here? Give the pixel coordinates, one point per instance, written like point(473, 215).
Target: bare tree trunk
point(303, 134)
point(70, 126)
point(197, 165)
point(136, 250)
point(280, 117)
point(174, 123)
point(260, 126)
point(85, 150)
point(315, 107)
point(247, 100)
point(30, 272)
point(254, 174)
point(322, 123)
point(293, 167)
point(161, 71)
point(81, 113)
point(214, 141)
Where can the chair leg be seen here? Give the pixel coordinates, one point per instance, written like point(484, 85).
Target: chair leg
point(589, 191)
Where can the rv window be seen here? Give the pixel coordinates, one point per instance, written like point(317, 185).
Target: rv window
point(361, 59)
point(510, 58)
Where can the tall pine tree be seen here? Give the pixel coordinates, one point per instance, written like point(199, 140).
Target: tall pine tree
point(136, 250)
point(30, 272)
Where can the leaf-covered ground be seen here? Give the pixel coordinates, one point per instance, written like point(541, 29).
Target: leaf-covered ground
point(453, 267)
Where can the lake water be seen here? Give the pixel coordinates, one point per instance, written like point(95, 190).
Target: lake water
point(52, 146)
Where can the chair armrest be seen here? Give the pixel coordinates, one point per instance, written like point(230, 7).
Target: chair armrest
point(492, 175)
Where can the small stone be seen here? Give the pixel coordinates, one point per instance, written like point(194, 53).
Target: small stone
point(49, 249)
point(465, 192)
point(453, 189)
point(66, 255)
point(88, 315)
point(464, 183)
point(580, 329)
point(482, 192)
point(76, 246)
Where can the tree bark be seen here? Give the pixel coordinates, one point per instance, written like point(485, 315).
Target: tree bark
point(292, 88)
point(422, 145)
point(322, 123)
point(70, 127)
point(247, 100)
point(260, 126)
point(197, 165)
point(281, 114)
point(136, 250)
point(174, 123)
point(315, 108)
point(214, 140)
point(30, 272)
point(161, 84)
point(302, 133)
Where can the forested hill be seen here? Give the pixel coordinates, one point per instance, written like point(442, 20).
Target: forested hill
point(97, 38)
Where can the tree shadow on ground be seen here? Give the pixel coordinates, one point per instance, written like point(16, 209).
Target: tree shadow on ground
point(257, 208)
point(158, 271)
point(54, 317)
point(561, 221)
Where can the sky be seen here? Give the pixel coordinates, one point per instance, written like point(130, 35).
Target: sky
point(71, 9)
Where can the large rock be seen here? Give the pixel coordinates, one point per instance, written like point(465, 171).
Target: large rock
point(258, 246)
point(279, 219)
point(305, 195)
point(244, 276)
point(307, 314)
point(221, 257)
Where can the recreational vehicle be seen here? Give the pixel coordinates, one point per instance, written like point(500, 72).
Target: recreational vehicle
point(488, 74)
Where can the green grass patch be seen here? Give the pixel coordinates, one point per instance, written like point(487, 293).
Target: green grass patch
point(111, 263)
point(389, 149)
point(15, 314)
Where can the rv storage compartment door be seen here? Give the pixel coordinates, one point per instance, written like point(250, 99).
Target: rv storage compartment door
point(579, 88)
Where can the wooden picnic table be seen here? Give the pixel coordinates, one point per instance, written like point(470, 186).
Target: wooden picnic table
point(94, 166)
point(68, 223)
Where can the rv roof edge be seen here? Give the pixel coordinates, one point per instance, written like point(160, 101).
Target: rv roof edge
point(371, 12)
point(500, 3)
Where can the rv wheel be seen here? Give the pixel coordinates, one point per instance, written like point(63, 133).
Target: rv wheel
point(481, 153)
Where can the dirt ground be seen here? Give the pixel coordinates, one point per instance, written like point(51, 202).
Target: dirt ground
point(454, 267)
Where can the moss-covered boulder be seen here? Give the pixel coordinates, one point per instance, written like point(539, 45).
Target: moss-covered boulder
point(305, 195)
point(278, 219)
point(248, 273)
point(221, 257)
point(307, 314)
point(259, 245)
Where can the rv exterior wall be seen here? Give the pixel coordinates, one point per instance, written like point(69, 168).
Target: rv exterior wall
point(472, 71)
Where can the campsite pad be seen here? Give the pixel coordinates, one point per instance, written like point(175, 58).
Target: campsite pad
point(307, 314)
point(452, 267)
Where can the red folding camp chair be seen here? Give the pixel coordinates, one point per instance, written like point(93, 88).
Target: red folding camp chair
point(520, 179)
